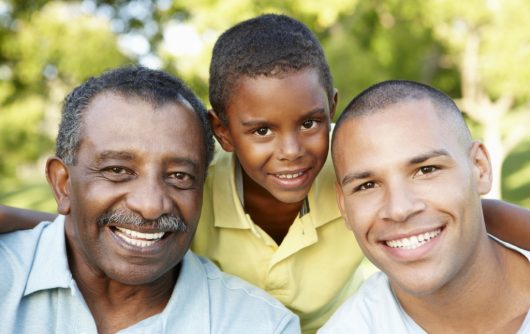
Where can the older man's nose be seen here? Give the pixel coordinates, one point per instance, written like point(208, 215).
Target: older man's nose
point(150, 198)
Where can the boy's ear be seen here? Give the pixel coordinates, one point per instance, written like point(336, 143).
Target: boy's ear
point(58, 178)
point(333, 106)
point(340, 201)
point(482, 167)
point(220, 131)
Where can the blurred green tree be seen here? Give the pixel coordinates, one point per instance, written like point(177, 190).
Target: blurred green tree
point(475, 51)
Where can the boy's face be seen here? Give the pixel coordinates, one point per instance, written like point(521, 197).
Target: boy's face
point(410, 190)
point(279, 129)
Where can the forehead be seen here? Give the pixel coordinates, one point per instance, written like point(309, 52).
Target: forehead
point(130, 124)
point(265, 95)
point(393, 135)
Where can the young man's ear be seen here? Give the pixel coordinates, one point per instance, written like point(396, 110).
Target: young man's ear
point(333, 106)
point(482, 167)
point(220, 131)
point(59, 179)
point(340, 201)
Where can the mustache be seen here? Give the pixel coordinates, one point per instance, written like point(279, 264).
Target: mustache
point(166, 222)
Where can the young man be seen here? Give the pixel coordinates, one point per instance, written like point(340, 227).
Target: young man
point(132, 154)
point(409, 181)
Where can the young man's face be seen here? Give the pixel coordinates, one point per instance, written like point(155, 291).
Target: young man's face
point(135, 159)
point(279, 129)
point(409, 189)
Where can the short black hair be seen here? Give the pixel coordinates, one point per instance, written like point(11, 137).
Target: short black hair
point(153, 86)
point(386, 93)
point(267, 45)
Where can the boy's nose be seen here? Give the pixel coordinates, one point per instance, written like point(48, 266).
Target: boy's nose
point(291, 148)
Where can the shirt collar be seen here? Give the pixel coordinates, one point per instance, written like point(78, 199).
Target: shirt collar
point(50, 267)
point(50, 270)
point(188, 308)
point(226, 204)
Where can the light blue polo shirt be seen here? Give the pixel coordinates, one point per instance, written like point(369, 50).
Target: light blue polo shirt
point(39, 295)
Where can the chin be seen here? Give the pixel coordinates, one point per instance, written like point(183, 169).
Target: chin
point(292, 198)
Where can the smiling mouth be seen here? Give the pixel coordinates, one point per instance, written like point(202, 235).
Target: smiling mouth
point(414, 241)
point(289, 176)
point(138, 239)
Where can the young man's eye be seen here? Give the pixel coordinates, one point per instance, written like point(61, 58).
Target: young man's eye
point(262, 131)
point(310, 123)
point(365, 186)
point(427, 170)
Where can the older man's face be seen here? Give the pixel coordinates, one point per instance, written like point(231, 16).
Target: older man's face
point(136, 186)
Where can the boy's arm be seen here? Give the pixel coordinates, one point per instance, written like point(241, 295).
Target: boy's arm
point(508, 222)
point(12, 219)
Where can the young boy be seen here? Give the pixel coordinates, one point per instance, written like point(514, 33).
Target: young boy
point(269, 213)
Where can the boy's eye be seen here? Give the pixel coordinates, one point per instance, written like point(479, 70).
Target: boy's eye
point(262, 131)
point(427, 170)
point(309, 124)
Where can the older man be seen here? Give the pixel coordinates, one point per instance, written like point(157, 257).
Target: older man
point(409, 181)
point(132, 154)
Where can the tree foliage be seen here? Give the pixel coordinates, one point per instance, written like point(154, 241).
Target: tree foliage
point(477, 51)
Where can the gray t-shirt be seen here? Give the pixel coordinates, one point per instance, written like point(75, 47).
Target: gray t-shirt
point(375, 309)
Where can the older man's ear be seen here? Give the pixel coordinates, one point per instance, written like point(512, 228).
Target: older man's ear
point(58, 177)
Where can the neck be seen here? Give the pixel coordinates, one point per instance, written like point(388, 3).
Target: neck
point(115, 305)
point(490, 294)
point(273, 216)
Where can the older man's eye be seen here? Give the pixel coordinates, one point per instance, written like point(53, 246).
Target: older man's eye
point(182, 180)
point(117, 173)
point(118, 170)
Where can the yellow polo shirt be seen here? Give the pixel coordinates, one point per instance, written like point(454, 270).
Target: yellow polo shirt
point(312, 271)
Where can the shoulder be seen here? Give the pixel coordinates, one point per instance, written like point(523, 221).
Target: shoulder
point(234, 298)
point(17, 253)
point(17, 248)
point(367, 311)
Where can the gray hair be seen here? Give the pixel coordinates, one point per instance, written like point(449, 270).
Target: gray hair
point(153, 86)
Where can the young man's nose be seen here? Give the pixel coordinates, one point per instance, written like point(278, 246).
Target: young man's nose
point(400, 202)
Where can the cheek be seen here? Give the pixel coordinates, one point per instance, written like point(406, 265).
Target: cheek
point(189, 205)
point(318, 143)
point(360, 217)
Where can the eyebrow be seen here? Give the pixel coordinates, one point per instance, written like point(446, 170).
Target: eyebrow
point(312, 112)
point(429, 155)
point(413, 161)
point(114, 155)
point(127, 156)
point(184, 161)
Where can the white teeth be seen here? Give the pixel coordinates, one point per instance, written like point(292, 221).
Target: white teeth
point(289, 176)
point(138, 239)
point(414, 241)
